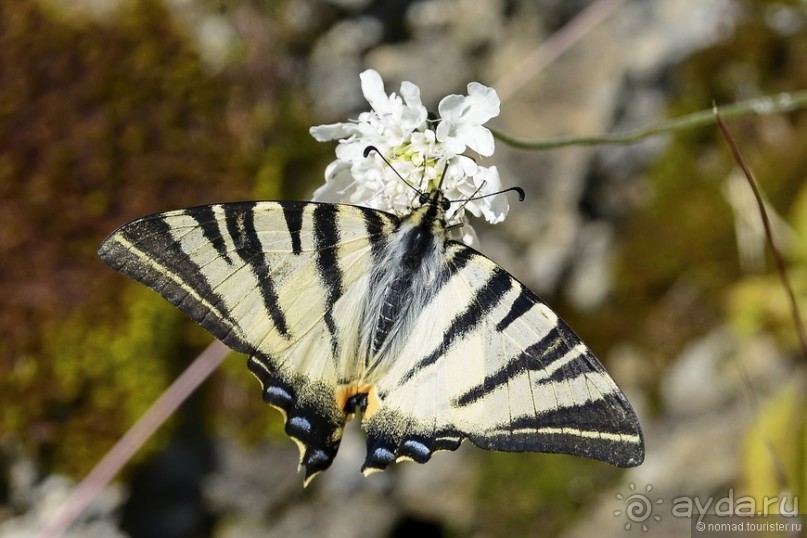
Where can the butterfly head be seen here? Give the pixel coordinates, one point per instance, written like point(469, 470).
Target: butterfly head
point(431, 211)
point(435, 198)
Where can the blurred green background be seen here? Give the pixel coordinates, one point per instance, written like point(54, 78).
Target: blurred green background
point(110, 110)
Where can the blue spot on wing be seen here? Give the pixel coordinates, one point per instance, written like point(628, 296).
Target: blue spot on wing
point(416, 450)
point(277, 395)
point(300, 423)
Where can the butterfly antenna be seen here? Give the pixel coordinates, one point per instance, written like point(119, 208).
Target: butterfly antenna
point(370, 149)
point(519, 190)
point(465, 202)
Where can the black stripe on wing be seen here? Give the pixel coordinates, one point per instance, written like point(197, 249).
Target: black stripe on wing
point(240, 219)
point(536, 357)
point(520, 306)
point(293, 215)
point(206, 218)
point(486, 299)
point(374, 221)
point(605, 415)
point(326, 239)
point(177, 277)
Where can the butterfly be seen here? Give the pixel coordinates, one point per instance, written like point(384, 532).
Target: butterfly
point(344, 309)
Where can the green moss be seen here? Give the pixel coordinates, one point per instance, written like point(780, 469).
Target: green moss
point(100, 378)
point(100, 123)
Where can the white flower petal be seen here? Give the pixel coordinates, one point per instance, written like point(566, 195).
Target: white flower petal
point(483, 103)
point(453, 145)
point(478, 138)
point(353, 149)
point(332, 131)
point(373, 89)
point(466, 165)
point(466, 234)
point(451, 108)
point(338, 183)
point(414, 114)
point(411, 94)
point(462, 118)
point(443, 130)
point(493, 208)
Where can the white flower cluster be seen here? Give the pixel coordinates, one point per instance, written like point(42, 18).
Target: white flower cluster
point(419, 149)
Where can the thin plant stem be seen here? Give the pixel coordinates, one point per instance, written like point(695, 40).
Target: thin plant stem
point(130, 443)
point(760, 106)
point(781, 269)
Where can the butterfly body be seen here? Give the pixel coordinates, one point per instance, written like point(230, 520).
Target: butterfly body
point(343, 308)
point(402, 283)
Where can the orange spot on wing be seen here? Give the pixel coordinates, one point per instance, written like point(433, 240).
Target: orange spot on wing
point(346, 392)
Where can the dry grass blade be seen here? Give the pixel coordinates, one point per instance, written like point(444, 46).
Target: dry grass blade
point(130, 443)
point(548, 51)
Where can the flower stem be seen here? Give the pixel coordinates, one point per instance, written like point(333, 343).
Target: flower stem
point(760, 106)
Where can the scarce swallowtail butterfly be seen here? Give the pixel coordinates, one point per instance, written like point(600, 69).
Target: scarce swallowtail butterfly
point(343, 308)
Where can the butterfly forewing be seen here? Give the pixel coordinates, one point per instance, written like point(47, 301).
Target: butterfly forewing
point(281, 282)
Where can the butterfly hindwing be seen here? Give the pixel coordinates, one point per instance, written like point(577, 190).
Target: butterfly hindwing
point(501, 369)
point(279, 281)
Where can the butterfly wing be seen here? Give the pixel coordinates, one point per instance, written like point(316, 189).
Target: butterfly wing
point(279, 281)
point(489, 361)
